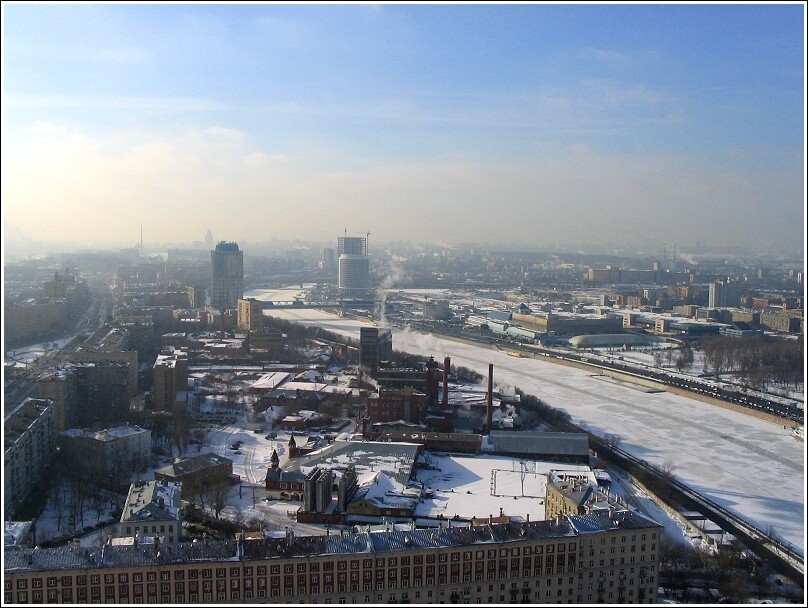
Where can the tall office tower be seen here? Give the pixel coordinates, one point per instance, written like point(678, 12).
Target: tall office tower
point(209, 239)
point(725, 293)
point(375, 347)
point(227, 266)
point(354, 266)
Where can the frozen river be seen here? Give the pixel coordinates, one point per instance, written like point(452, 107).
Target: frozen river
point(752, 467)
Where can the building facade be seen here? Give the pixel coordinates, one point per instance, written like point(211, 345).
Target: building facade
point(401, 404)
point(170, 380)
point(575, 559)
point(375, 347)
point(725, 294)
point(106, 455)
point(195, 472)
point(29, 442)
point(227, 270)
point(153, 508)
point(89, 393)
point(250, 314)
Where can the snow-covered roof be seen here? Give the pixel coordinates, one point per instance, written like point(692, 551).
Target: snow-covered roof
point(270, 380)
point(15, 531)
point(395, 459)
point(106, 434)
point(152, 501)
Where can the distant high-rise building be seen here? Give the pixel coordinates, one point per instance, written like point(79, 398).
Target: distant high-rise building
point(250, 314)
point(227, 266)
point(327, 257)
point(354, 265)
point(375, 346)
point(725, 293)
point(209, 239)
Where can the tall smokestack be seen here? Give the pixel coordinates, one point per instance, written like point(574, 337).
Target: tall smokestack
point(446, 365)
point(489, 410)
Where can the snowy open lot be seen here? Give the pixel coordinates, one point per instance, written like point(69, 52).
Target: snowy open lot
point(479, 486)
point(754, 468)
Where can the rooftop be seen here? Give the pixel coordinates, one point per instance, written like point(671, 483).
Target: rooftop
point(348, 543)
point(152, 501)
point(106, 434)
point(185, 466)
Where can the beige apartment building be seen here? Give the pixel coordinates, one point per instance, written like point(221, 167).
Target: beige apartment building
point(573, 559)
point(169, 380)
point(250, 314)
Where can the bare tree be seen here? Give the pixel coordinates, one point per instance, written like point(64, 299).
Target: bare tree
point(97, 502)
point(685, 358)
point(78, 489)
point(668, 467)
point(181, 427)
point(613, 440)
point(201, 435)
point(57, 500)
point(240, 519)
point(218, 496)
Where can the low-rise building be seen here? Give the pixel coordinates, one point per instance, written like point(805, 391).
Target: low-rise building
point(576, 495)
point(198, 471)
point(153, 508)
point(552, 447)
point(403, 404)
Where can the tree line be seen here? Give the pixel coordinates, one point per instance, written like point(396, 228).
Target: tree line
point(758, 362)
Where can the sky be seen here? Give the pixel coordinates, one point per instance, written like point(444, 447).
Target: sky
point(519, 124)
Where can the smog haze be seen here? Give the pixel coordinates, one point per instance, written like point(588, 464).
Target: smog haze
point(520, 124)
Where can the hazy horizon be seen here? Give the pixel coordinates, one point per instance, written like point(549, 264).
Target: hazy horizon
point(528, 125)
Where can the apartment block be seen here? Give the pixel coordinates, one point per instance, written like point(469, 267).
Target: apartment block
point(250, 314)
point(170, 380)
point(28, 437)
point(573, 559)
point(108, 454)
point(88, 393)
point(778, 322)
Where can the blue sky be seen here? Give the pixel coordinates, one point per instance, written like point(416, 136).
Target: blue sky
point(527, 123)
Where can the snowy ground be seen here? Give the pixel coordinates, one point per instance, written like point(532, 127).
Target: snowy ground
point(479, 486)
point(754, 468)
point(29, 354)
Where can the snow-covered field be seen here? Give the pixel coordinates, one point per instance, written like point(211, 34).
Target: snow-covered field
point(754, 468)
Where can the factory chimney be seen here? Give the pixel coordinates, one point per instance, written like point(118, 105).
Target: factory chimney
point(446, 365)
point(489, 410)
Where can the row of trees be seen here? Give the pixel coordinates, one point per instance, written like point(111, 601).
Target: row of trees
point(758, 362)
point(681, 358)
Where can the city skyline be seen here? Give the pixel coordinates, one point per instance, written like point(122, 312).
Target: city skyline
point(528, 124)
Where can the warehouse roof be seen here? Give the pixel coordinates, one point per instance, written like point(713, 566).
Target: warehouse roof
point(529, 443)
